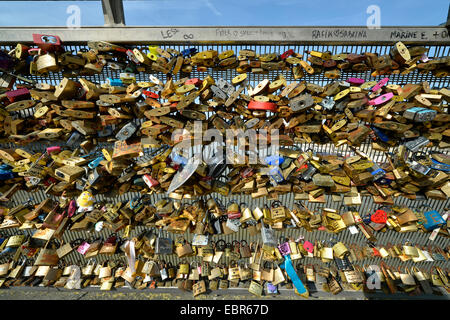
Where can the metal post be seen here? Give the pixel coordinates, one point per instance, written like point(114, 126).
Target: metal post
point(113, 13)
point(447, 24)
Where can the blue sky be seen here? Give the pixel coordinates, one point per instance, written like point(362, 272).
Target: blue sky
point(230, 12)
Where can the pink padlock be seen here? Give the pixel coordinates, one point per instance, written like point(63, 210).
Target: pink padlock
point(356, 81)
point(380, 84)
point(53, 149)
point(308, 246)
point(149, 181)
point(83, 248)
point(381, 99)
point(34, 51)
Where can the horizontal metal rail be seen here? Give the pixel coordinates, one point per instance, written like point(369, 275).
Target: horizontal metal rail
point(236, 35)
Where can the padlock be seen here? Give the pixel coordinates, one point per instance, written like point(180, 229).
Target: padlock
point(246, 215)
point(233, 211)
point(126, 132)
point(420, 114)
point(340, 250)
point(47, 42)
point(410, 250)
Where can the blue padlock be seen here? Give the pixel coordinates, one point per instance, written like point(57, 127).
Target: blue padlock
point(439, 166)
point(377, 172)
point(380, 134)
point(94, 163)
point(433, 220)
point(188, 52)
point(114, 82)
point(274, 160)
point(6, 174)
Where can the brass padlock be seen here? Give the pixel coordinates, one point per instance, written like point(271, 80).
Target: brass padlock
point(340, 250)
point(409, 250)
point(258, 213)
point(277, 212)
point(183, 268)
point(246, 215)
point(267, 218)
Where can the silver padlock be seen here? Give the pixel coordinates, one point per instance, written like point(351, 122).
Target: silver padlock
point(93, 177)
point(268, 236)
point(301, 103)
point(74, 140)
point(307, 175)
point(225, 86)
point(233, 224)
point(327, 103)
point(80, 183)
point(126, 131)
point(418, 167)
point(420, 114)
point(218, 93)
point(116, 65)
point(344, 84)
point(416, 144)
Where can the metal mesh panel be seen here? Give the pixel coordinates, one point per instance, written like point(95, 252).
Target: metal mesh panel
point(413, 77)
point(288, 199)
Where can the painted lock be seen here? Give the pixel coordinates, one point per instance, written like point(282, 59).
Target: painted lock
point(85, 201)
point(420, 114)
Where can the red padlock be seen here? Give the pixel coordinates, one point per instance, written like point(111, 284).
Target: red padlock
point(132, 57)
point(376, 253)
point(287, 54)
point(380, 216)
point(195, 81)
point(17, 95)
point(47, 42)
point(150, 94)
point(266, 106)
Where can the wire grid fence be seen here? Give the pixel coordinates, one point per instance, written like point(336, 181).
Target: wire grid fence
point(367, 205)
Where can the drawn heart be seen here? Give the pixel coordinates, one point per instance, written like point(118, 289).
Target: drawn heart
point(380, 216)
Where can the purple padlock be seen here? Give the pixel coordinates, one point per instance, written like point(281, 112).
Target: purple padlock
point(356, 81)
point(284, 248)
